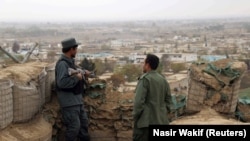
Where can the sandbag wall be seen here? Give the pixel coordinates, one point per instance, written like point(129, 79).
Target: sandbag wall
point(109, 111)
point(215, 84)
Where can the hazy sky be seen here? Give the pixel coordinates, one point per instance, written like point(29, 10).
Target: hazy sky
point(98, 10)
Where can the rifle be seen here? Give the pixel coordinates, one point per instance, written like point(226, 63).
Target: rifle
point(84, 75)
point(83, 72)
point(73, 71)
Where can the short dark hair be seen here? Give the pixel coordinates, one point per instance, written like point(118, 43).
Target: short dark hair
point(152, 60)
point(64, 50)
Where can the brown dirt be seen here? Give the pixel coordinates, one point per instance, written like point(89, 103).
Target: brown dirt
point(207, 116)
point(22, 72)
point(35, 130)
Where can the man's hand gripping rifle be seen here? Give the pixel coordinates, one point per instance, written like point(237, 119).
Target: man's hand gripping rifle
point(85, 75)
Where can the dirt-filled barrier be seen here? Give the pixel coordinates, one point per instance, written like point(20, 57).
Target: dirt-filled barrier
point(49, 81)
point(110, 112)
point(215, 84)
point(243, 109)
point(21, 101)
point(26, 102)
point(41, 86)
point(6, 103)
point(28, 89)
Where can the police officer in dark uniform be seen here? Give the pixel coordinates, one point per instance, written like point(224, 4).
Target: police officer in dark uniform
point(70, 93)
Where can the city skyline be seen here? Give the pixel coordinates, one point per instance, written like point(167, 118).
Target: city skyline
point(119, 10)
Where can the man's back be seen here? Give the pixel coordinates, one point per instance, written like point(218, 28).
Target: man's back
point(157, 99)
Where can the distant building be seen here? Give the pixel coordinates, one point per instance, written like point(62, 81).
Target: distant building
point(211, 58)
point(174, 57)
point(120, 43)
point(101, 55)
point(136, 58)
point(180, 57)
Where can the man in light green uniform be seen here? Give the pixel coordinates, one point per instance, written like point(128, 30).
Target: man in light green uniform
point(152, 99)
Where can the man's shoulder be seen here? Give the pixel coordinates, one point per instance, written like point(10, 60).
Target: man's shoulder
point(60, 61)
point(143, 76)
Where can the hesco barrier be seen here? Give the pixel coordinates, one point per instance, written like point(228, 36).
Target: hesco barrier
point(215, 84)
point(243, 109)
point(42, 85)
point(49, 81)
point(26, 102)
point(6, 103)
point(22, 97)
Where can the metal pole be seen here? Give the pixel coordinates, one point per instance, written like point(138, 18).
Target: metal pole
point(7, 53)
point(29, 53)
